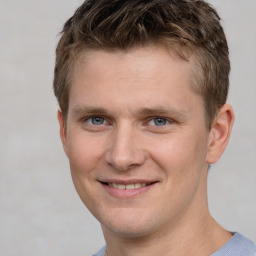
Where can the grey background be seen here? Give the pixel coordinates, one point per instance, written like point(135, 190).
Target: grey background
point(40, 212)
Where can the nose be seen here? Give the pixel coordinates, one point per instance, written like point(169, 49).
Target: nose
point(126, 150)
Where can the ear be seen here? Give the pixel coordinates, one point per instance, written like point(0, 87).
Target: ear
point(220, 133)
point(63, 134)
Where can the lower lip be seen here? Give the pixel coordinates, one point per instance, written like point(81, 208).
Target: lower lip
point(127, 193)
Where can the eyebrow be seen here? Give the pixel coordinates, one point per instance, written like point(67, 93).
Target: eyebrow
point(89, 110)
point(162, 111)
point(155, 111)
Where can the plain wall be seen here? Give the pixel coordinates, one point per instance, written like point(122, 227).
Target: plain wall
point(40, 212)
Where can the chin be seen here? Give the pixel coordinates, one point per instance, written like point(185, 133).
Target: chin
point(129, 224)
point(129, 231)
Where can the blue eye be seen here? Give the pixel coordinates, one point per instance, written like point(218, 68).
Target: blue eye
point(159, 121)
point(96, 120)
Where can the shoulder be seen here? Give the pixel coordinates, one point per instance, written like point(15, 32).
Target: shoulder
point(101, 252)
point(238, 245)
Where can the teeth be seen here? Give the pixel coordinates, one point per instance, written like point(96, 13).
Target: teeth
point(120, 186)
point(128, 186)
point(138, 185)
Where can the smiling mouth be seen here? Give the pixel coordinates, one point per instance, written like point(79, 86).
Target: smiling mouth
point(127, 189)
point(128, 186)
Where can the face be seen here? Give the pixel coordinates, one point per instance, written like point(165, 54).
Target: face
point(137, 141)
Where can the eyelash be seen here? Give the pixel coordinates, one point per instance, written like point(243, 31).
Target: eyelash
point(149, 120)
point(156, 119)
point(91, 118)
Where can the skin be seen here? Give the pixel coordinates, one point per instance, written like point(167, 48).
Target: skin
point(133, 117)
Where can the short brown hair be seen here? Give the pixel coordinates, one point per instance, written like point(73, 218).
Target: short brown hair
point(188, 27)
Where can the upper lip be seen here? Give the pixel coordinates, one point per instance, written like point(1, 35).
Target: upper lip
point(126, 182)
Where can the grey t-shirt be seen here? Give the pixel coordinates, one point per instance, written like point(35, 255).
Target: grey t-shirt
point(238, 245)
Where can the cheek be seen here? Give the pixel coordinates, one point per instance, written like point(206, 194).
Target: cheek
point(182, 158)
point(84, 153)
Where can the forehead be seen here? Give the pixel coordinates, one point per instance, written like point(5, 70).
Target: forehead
point(142, 75)
point(135, 63)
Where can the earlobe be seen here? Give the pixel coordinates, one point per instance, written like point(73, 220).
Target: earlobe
point(220, 133)
point(62, 131)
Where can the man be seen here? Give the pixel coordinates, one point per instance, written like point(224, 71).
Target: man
point(142, 88)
